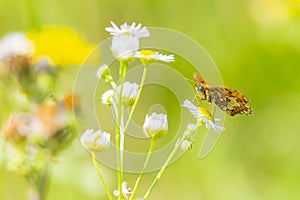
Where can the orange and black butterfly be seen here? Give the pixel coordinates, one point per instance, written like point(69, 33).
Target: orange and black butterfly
point(229, 100)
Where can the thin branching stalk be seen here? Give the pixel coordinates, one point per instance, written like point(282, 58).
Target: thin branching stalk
point(119, 131)
point(137, 97)
point(151, 148)
point(162, 170)
point(101, 177)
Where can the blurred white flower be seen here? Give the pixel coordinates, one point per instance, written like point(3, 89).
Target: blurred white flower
point(95, 140)
point(129, 93)
point(155, 125)
point(15, 44)
point(133, 30)
point(107, 97)
point(148, 56)
point(126, 191)
point(54, 116)
point(44, 122)
point(201, 114)
point(186, 145)
point(23, 125)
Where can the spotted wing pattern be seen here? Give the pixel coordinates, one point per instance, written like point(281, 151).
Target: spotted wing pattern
point(229, 100)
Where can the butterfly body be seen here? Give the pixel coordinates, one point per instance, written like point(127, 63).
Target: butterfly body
point(229, 100)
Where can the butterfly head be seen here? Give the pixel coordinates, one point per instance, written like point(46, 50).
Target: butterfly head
point(201, 87)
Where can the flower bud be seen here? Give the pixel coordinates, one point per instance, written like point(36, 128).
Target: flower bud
point(126, 191)
point(191, 128)
point(95, 140)
point(129, 93)
point(186, 145)
point(155, 125)
point(107, 97)
point(103, 72)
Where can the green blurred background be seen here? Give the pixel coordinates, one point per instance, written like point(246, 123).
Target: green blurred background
point(256, 46)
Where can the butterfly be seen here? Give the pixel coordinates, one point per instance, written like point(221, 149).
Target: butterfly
point(229, 100)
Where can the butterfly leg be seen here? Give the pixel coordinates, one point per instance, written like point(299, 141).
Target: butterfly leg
point(196, 100)
point(213, 113)
point(212, 110)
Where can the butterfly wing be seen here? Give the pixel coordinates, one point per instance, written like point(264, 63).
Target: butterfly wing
point(230, 100)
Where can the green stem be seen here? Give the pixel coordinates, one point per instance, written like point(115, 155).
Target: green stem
point(119, 130)
point(101, 176)
point(44, 184)
point(111, 81)
point(39, 184)
point(162, 170)
point(137, 97)
point(113, 85)
point(151, 148)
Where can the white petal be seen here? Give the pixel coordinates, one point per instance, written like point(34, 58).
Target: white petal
point(192, 108)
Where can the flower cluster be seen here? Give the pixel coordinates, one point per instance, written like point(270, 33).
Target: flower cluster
point(47, 128)
point(36, 121)
point(124, 95)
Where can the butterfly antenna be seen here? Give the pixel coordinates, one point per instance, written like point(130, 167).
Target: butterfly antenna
point(191, 80)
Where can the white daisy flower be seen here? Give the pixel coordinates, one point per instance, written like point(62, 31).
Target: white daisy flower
point(129, 93)
point(125, 39)
point(155, 125)
point(107, 97)
point(203, 115)
point(95, 140)
point(148, 56)
point(133, 30)
point(124, 46)
point(15, 44)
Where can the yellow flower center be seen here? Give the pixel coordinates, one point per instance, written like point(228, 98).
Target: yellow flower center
point(125, 32)
point(205, 112)
point(147, 53)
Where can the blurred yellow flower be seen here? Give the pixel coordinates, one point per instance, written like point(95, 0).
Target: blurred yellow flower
point(63, 46)
point(274, 12)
